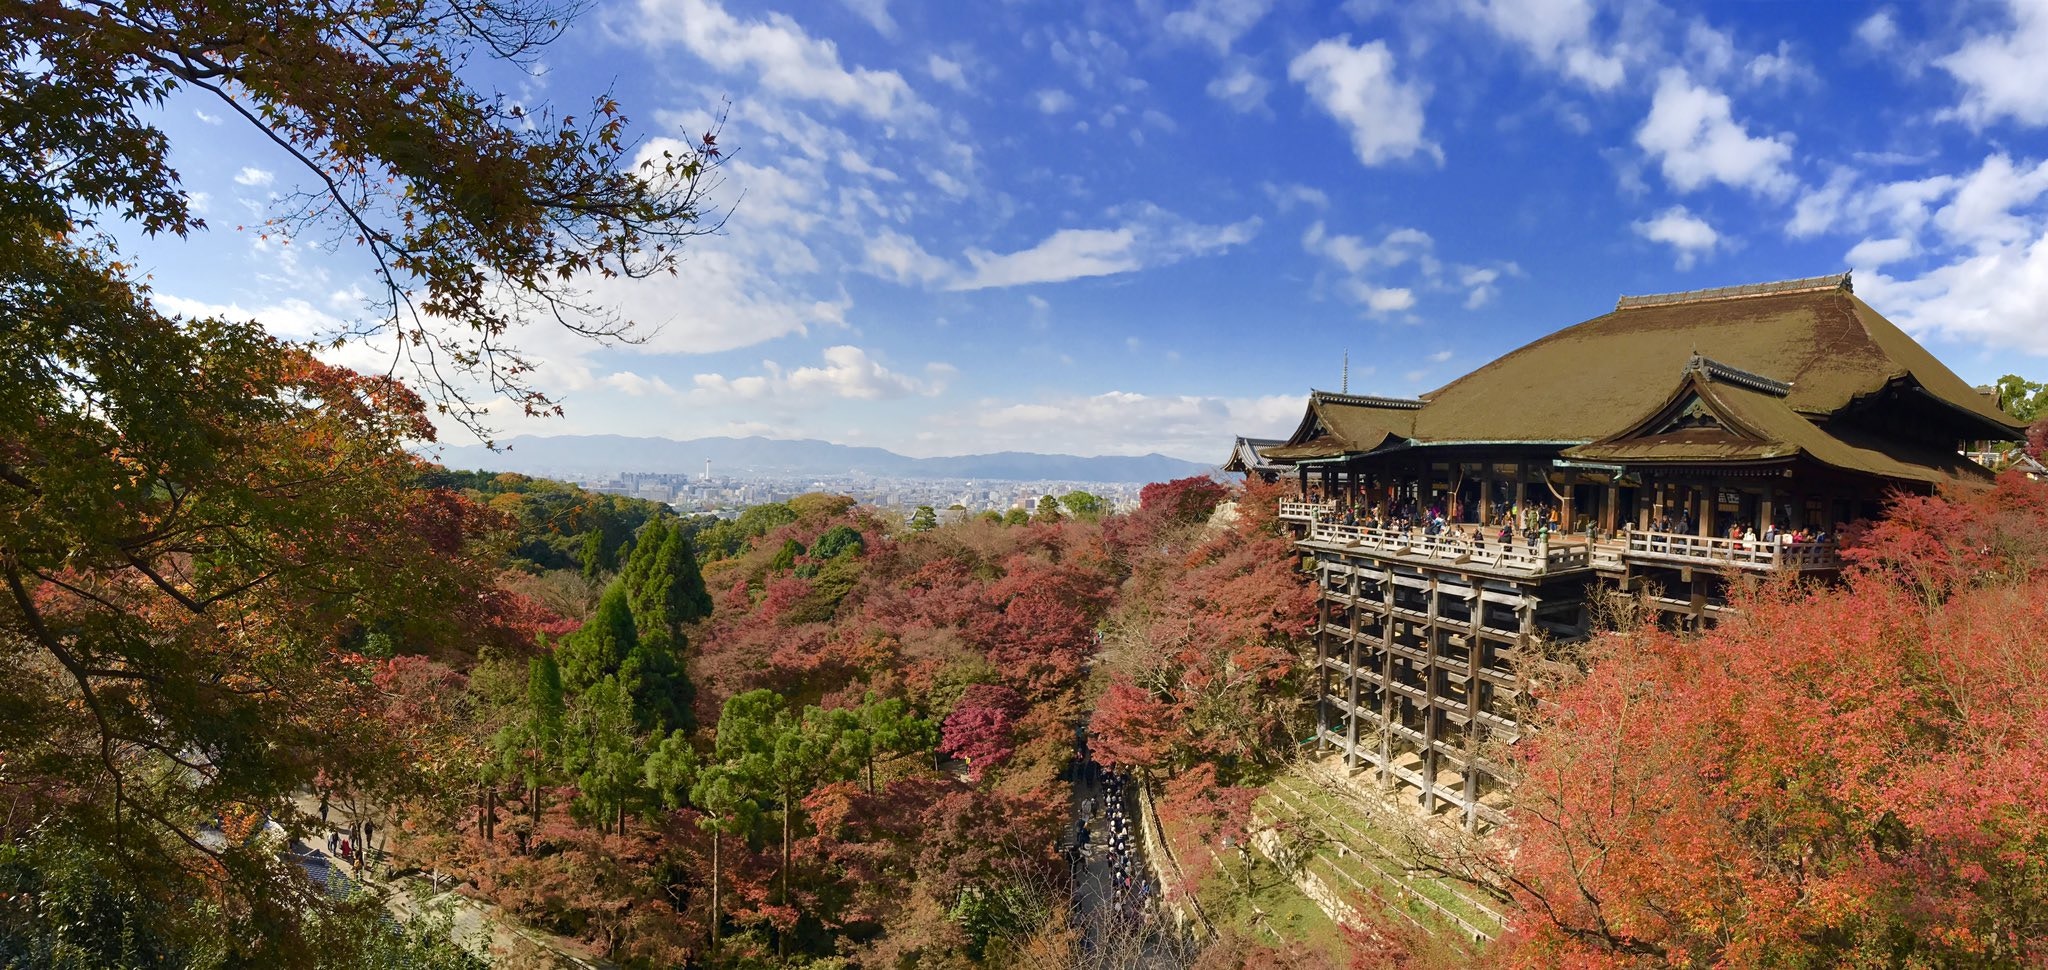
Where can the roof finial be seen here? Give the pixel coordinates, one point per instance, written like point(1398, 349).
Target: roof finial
point(1345, 387)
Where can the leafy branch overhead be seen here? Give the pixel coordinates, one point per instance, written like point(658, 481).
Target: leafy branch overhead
point(478, 213)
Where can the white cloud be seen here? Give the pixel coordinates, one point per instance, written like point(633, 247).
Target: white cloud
point(1873, 253)
point(1777, 67)
point(254, 177)
point(203, 116)
point(1687, 234)
point(1988, 239)
point(1191, 426)
point(1052, 101)
point(876, 13)
point(2005, 74)
point(1218, 23)
point(1387, 276)
point(634, 385)
point(1380, 299)
point(1991, 297)
point(1286, 196)
point(1693, 134)
point(1559, 35)
point(785, 59)
point(847, 372)
point(1981, 212)
point(1356, 255)
point(1482, 284)
point(1845, 204)
point(946, 72)
point(1065, 255)
point(895, 256)
point(1878, 30)
point(1149, 236)
point(292, 319)
point(1440, 356)
point(1240, 88)
point(1710, 50)
point(1357, 87)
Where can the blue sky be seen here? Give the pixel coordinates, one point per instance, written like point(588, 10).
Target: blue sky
point(1128, 227)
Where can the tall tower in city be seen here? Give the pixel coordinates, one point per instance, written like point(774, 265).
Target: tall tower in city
point(707, 471)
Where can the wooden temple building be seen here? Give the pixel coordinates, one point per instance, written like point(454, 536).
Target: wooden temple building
point(1672, 445)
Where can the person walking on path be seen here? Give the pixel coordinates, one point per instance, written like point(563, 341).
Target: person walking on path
point(333, 841)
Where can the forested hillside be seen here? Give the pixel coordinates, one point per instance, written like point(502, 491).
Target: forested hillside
point(845, 738)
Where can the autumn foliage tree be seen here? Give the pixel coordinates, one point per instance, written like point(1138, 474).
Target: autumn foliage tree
point(1835, 777)
point(193, 540)
point(1205, 639)
point(980, 729)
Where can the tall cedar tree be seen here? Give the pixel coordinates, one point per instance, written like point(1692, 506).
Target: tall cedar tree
point(601, 647)
point(664, 591)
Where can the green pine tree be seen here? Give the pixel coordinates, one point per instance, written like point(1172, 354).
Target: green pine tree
point(598, 649)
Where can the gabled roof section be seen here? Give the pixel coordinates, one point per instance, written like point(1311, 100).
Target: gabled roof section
point(1365, 400)
point(1721, 414)
point(1245, 455)
point(1340, 424)
point(1814, 336)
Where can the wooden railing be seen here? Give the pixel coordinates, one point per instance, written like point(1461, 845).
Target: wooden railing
point(1549, 555)
point(1544, 556)
point(1740, 553)
point(1306, 511)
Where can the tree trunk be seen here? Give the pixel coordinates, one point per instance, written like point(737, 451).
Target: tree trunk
point(534, 805)
point(871, 776)
point(714, 891)
point(782, 938)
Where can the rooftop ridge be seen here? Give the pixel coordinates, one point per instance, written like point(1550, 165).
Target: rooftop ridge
point(1810, 284)
point(1715, 370)
point(1366, 400)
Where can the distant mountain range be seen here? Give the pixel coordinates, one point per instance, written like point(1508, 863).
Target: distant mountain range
point(582, 455)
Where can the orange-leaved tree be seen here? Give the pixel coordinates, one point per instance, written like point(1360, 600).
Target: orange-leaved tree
point(1839, 776)
point(197, 524)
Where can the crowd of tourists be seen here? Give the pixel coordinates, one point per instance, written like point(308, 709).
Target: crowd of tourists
point(1103, 832)
point(1130, 883)
point(1531, 525)
point(352, 845)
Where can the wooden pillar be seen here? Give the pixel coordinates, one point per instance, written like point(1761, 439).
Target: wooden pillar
point(1430, 714)
point(1610, 508)
point(1521, 487)
point(1701, 523)
point(1486, 493)
point(1323, 671)
point(1351, 722)
point(1567, 517)
point(1387, 701)
point(1475, 650)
